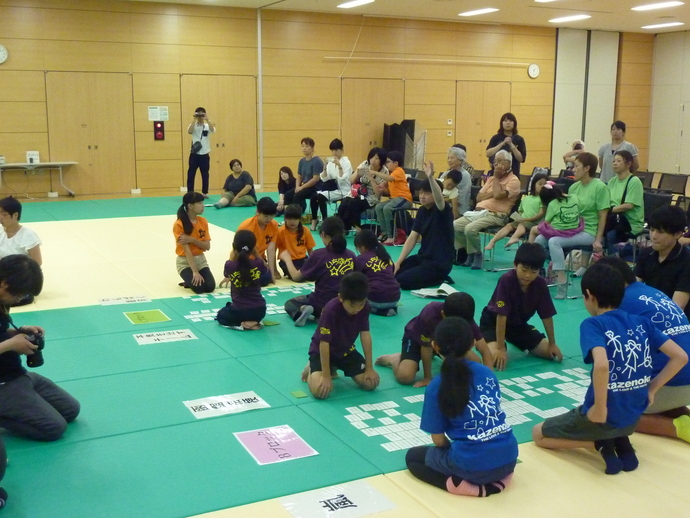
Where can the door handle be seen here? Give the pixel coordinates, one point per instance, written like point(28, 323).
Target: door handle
point(95, 147)
point(88, 147)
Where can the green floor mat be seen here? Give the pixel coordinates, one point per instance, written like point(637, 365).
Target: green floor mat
point(175, 471)
point(136, 401)
point(115, 353)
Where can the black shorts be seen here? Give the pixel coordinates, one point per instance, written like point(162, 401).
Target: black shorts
point(351, 365)
point(523, 336)
point(410, 350)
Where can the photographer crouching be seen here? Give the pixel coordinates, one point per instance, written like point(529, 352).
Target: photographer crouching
point(31, 405)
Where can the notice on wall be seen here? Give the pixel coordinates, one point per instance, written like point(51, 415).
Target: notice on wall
point(228, 404)
point(158, 113)
point(275, 444)
point(351, 500)
point(159, 337)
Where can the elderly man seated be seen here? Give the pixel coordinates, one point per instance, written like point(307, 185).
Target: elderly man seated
point(494, 203)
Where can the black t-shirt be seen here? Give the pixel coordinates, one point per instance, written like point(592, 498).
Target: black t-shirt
point(669, 276)
point(235, 185)
point(436, 228)
point(11, 361)
point(519, 143)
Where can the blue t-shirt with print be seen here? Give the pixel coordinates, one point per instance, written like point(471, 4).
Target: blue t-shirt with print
point(629, 341)
point(480, 437)
point(667, 316)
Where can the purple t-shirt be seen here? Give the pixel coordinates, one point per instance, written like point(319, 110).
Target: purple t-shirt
point(325, 268)
point(383, 286)
point(339, 329)
point(508, 299)
point(246, 295)
point(421, 328)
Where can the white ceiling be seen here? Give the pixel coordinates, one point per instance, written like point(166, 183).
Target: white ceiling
point(612, 15)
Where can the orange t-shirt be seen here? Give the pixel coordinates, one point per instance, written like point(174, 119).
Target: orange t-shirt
point(200, 232)
point(398, 186)
point(263, 237)
point(287, 240)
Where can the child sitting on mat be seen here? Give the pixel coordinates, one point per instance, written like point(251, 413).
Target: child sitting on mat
point(620, 347)
point(374, 262)
point(294, 238)
point(191, 241)
point(416, 341)
point(475, 451)
point(242, 273)
point(333, 344)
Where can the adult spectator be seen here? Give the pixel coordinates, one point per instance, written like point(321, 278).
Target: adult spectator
point(286, 183)
point(507, 139)
point(456, 161)
point(627, 202)
point(366, 189)
point(309, 169)
point(496, 197)
point(666, 264)
point(618, 143)
point(200, 155)
point(238, 190)
point(569, 157)
point(335, 182)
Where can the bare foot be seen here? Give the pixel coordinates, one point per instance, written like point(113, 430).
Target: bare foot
point(490, 245)
point(388, 360)
point(511, 242)
point(314, 222)
point(252, 325)
point(305, 372)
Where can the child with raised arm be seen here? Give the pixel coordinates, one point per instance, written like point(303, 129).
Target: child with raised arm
point(265, 230)
point(467, 458)
point(294, 238)
point(333, 344)
point(519, 294)
point(191, 241)
point(325, 267)
point(416, 341)
point(530, 212)
point(242, 273)
point(620, 347)
point(374, 262)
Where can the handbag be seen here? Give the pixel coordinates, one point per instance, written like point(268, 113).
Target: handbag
point(196, 146)
point(618, 221)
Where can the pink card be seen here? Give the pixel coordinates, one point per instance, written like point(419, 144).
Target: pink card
point(275, 444)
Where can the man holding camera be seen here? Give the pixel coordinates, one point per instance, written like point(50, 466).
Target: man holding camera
point(31, 405)
point(199, 157)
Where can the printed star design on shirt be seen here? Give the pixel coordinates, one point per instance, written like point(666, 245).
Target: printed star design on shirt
point(490, 383)
point(480, 388)
point(630, 332)
point(640, 329)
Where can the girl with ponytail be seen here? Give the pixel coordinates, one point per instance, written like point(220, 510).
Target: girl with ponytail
point(242, 274)
point(192, 240)
point(374, 262)
point(325, 267)
point(474, 450)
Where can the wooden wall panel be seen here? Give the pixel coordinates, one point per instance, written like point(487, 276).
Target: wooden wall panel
point(212, 32)
point(150, 88)
point(30, 116)
point(217, 60)
point(493, 45)
point(429, 92)
point(302, 117)
point(73, 25)
point(154, 28)
point(24, 54)
point(438, 141)
point(279, 143)
point(149, 149)
point(22, 86)
point(15, 145)
point(88, 56)
point(432, 116)
point(301, 90)
point(157, 174)
point(21, 22)
point(531, 94)
point(151, 58)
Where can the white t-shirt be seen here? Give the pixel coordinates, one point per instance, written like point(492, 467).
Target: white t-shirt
point(20, 243)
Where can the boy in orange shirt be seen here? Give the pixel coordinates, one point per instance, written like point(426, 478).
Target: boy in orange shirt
point(266, 231)
point(400, 196)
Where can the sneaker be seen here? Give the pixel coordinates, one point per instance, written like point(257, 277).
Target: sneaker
point(304, 316)
point(562, 291)
point(3, 498)
point(205, 196)
point(478, 261)
point(216, 205)
point(449, 280)
point(579, 272)
point(460, 256)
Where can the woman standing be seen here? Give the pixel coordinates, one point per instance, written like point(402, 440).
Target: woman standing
point(368, 189)
point(507, 138)
point(627, 202)
point(618, 143)
point(238, 190)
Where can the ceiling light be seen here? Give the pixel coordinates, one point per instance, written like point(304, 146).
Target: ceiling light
point(573, 18)
point(355, 3)
point(662, 25)
point(661, 5)
point(479, 11)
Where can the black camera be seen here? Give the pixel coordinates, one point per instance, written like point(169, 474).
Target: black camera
point(36, 359)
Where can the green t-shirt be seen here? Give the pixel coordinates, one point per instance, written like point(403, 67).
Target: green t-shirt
point(529, 206)
point(633, 195)
point(564, 214)
point(592, 197)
